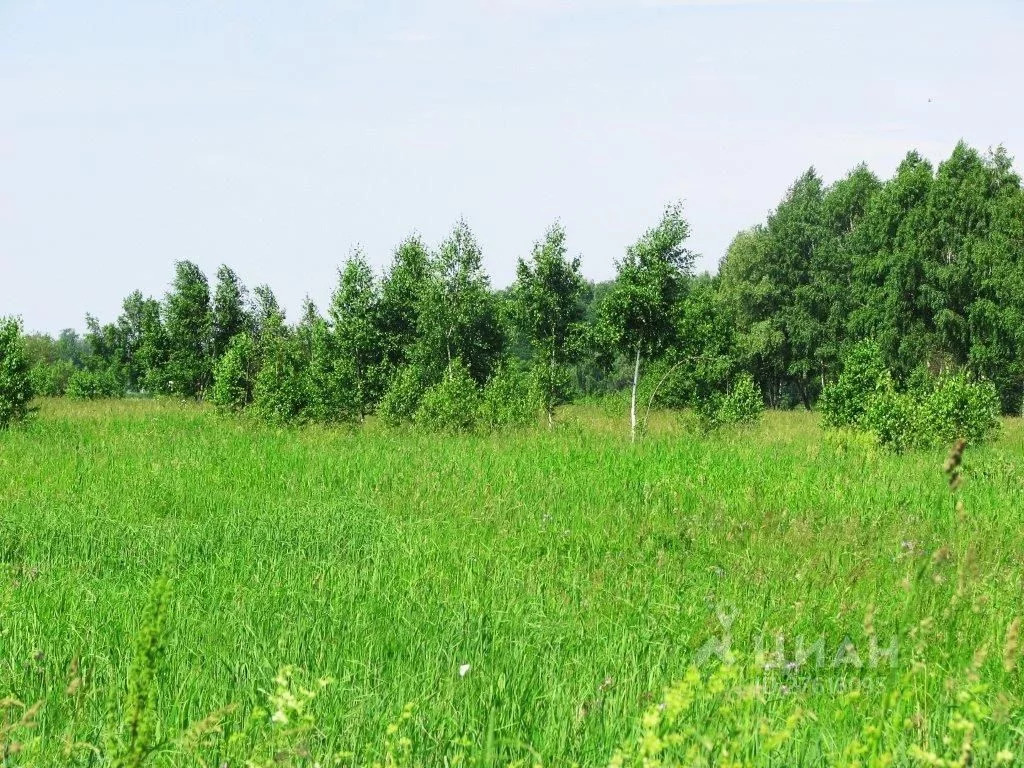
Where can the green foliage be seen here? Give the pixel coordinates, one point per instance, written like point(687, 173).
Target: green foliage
point(703, 359)
point(107, 355)
point(402, 398)
point(928, 264)
point(960, 407)
point(458, 313)
point(229, 317)
point(728, 716)
point(403, 294)
point(650, 280)
point(511, 398)
point(742, 403)
point(265, 313)
point(94, 385)
point(357, 342)
point(280, 393)
point(15, 375)
point(930, 412)
point(188, 323)
point(51, 379)
point(233, 374)
point(67, 347)
point(548, 312)
point(131, 746)
point(638, 312)
point(332, 395)
point(452, 404)
point(896, 419)
point(140, 345)
point(845, 403)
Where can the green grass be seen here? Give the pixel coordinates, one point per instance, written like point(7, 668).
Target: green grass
point(577, 575)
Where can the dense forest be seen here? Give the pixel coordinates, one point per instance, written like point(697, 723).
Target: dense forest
point(928, 264)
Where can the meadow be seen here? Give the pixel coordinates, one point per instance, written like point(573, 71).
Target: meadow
point(352, 596)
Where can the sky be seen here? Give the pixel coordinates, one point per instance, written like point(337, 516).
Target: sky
point(276, 137)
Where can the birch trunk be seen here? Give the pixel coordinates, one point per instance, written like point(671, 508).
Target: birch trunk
point(632, 404)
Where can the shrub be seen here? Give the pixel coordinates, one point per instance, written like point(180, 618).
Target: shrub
point(959, 407)
point(929, 411)
point(451, 404)
point(15, 381)
point(895, 419)
point(331, 391)
point(232, 375)
point(279, 393)
point(94, 385)
point(511, 398)
point(742, 404)
point(845, 403)
point(402, 398)
point(51, 379)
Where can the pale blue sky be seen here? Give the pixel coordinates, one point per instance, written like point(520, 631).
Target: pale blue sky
point(276, 136)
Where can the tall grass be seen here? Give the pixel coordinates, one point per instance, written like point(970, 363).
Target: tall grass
point(524, 596)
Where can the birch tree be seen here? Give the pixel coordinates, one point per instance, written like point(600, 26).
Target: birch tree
point(548, 311)
point(650, 280)
point(458, 313)
point(353, 315)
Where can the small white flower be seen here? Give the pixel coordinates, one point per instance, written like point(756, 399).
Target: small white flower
point(464, 669)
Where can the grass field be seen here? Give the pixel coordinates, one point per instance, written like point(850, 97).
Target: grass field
point(530, 594)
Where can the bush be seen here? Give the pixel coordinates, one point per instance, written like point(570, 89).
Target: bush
point(51, 379)
point(895, 419)
point(15, 380)
point(845, 403)
point(928, 412)
point(94, 385)
point(451, 404)
point(331, 392)
point(959, 407)
point(742, 404)
point(232, 375)
point(279, 393)
point(402, 398)
point(510, 399)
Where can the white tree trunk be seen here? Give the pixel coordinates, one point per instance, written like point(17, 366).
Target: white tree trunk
point(632, 404)
point(551, 385)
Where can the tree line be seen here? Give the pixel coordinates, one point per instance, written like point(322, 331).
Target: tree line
point(928, 265)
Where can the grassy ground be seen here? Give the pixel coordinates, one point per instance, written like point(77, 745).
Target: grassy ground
point(576, 576)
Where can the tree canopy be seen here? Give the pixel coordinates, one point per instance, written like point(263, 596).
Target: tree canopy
point(927, 266)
